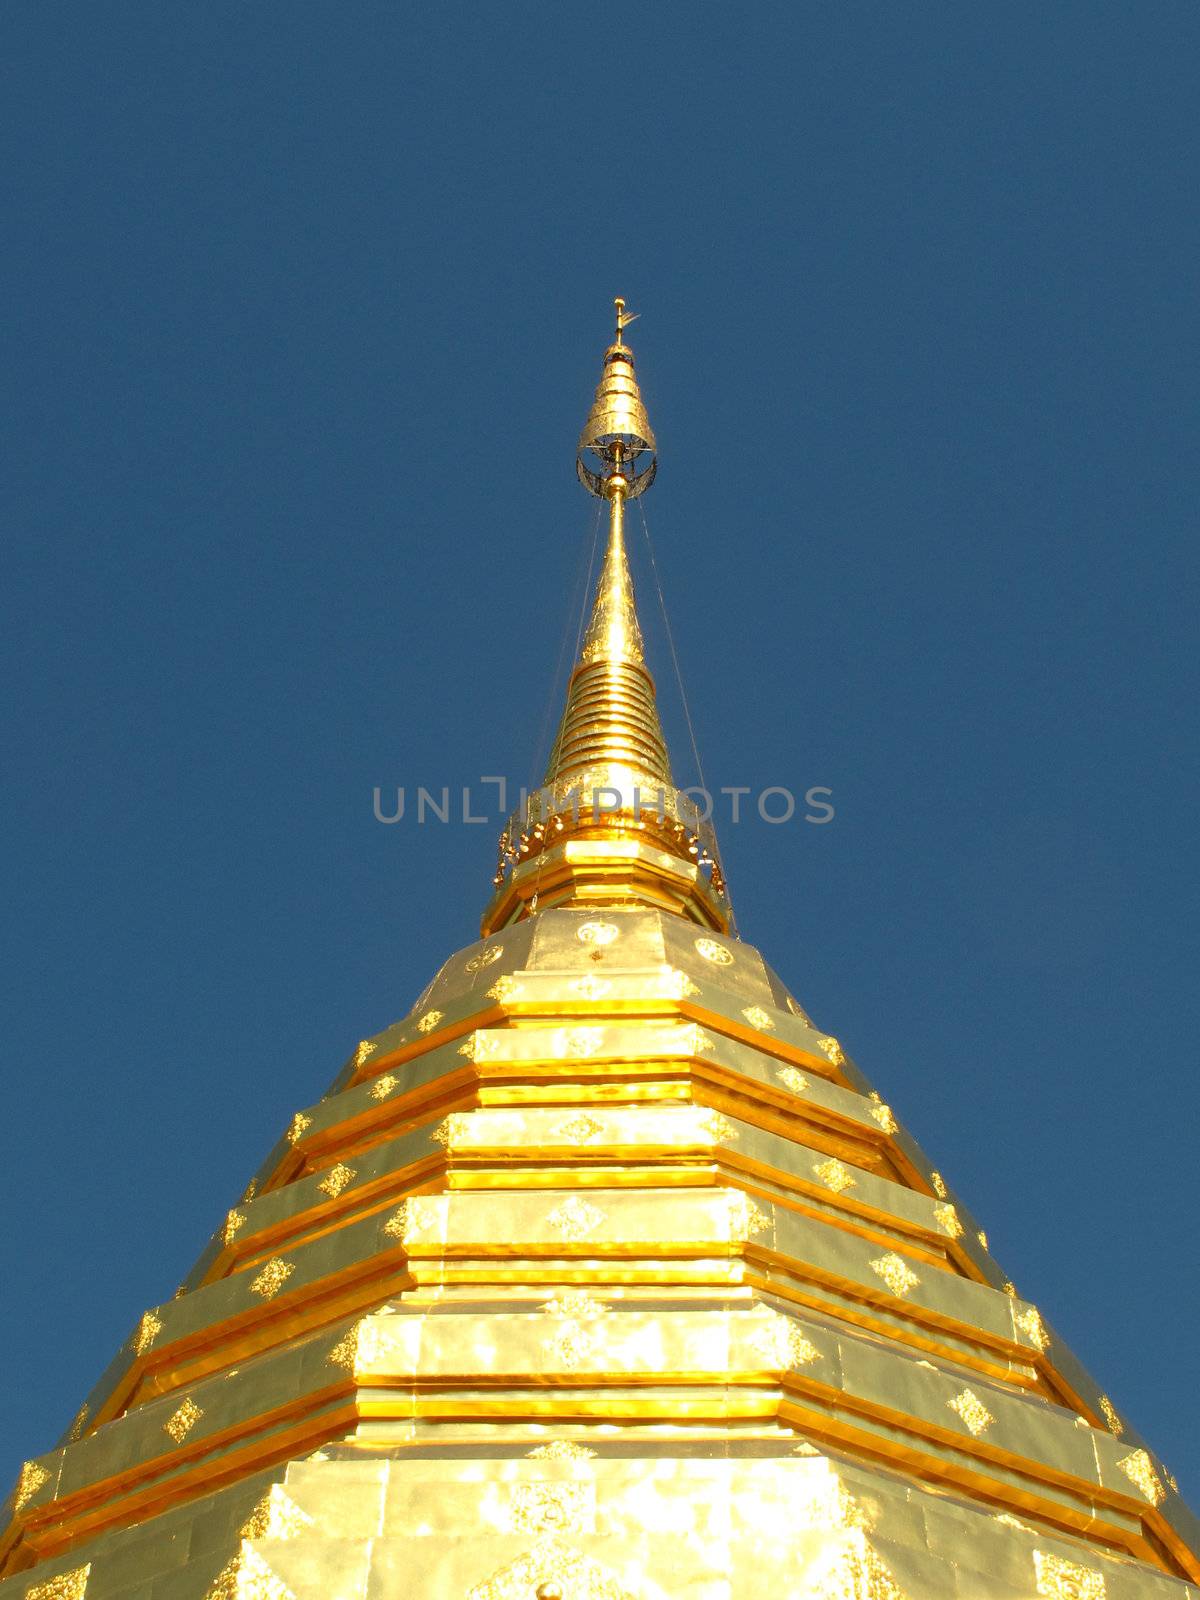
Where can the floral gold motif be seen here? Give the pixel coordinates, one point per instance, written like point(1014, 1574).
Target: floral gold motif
point(745, 1219)
point(181, 1422)
point(1058, 1579)
point(248, 1577)
point(505, 987)
point(299, 1124)
point(365, 1050)
point(835, 1175)
point(882, 1113)
point(272, 1278)
point(553, 1507)
point(982, 1237)
point(411, 1217)
point(792, 1080)
point(337, 1179)
point(947, 1220)
point(30, 1480)
point(429, 1021)
point(758, 1018)
point(1031, 1323)
point(577, 1130)
point(361, 1343)
point(235, 1221)
point(597, 933)
point(276, 1516)
point(894, 1271)
point(783, 1346)
point(561, 1450)
point(147, 1330)
point(710, 950)
point(1139, 1469)
point(66, 1586)
point(938, 1184)
point(576, 1044)
point(382, 1087)
point(575, 1218)
point(589, 987)
point(831, 1049)
point(972, 1411)
point(548, 1566)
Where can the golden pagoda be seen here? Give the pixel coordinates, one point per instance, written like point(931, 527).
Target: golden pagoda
point(602, 1275)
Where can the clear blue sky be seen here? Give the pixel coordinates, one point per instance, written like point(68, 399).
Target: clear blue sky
point(304, 306)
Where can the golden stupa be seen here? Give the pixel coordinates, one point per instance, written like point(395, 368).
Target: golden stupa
point(603, 1275)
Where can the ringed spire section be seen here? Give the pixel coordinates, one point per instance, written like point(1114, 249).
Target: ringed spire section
point(608, 825)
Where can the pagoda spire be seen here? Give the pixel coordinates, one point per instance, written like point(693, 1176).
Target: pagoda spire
point(609, 825)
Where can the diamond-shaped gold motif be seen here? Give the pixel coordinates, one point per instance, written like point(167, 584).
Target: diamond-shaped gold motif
point(577, 1304)
point(745, 1219)
point(597, 933)
point(360, 1343)
point(1031, 1323)
point(181, 1422)
point(248, 1577)
point(972, 1411)
point(578, 1130)
point(336, 1179)
point(553, 1508)
point(1139, 1469)
point(882, 1113)
point(1058, 1579)
point(718, 1127)
point(382, 1087)
point(276, 1516)
point(561, 1450)
point(147, 1330)
point(783, 1346)
point(272, 1278)
point(589, 987)
point(30, 1479)
point(411, 1217)
point(575, 1218)
point(834, 1175)
point(758, 1018)
point(429, 1021)
point(505, 987)
point(947, 1220)
point(1115, 1426)
point(676, 985)
point(66, 1586)
point(298, 1126)
point(894, 1271)
point(710, 950)
point(831, 1049)
point(576, 1044)
point(792, 1080)
point(553, 1567)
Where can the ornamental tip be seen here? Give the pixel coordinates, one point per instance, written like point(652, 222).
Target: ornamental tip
point(617, 431)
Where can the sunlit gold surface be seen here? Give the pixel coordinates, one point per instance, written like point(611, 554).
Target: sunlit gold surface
point(601, 1273)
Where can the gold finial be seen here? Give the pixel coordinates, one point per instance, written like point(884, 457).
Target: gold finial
point(617, 432)
point(624, 318)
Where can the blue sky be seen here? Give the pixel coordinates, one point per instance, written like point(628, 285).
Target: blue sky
point(304, 309)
